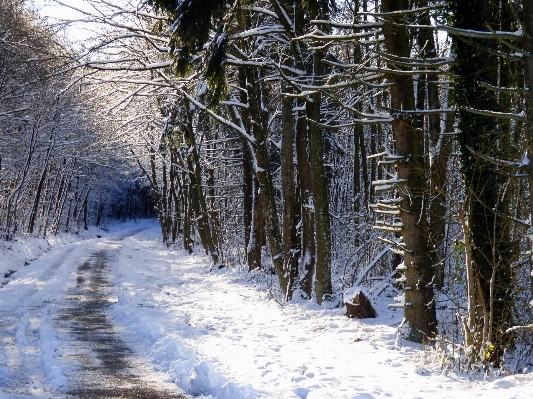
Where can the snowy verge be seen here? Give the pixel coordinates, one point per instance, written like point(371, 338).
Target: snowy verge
point(214, 334)
point(144, 267)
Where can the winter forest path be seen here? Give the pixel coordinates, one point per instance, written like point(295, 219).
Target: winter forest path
point(58, 339)
point(107, 367)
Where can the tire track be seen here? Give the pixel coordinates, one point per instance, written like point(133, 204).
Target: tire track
point(105, 366)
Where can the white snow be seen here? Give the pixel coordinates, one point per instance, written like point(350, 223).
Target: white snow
point(525, 160)
point(214, 334)
point(352, 292)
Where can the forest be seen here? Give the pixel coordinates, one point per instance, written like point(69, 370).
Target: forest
point(316, 145)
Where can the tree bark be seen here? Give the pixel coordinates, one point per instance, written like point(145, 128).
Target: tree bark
point(419, 302)
point(291, 248)
point(252, 215)
point(36, 200)
point(196, 172)
point(264, 175)
point(527, 43)
point(428, 98)
point(307, 214)
point(320, 183)
point(481, 140)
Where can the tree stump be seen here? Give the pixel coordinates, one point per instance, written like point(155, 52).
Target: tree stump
point(357, 304)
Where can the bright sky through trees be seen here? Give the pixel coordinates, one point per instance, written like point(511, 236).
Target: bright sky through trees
point(63, 18)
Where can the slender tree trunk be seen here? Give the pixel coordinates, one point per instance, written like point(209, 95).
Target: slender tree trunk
point(323, 286)
point(99, 212)
point(213, 215)
point(290, 243)
point(67, 222)
point(50, 200)
point(165, 213)
point(203, 216)
point(441, 146)
point(527, 43)
point(361, 184)
point(175, 189)
point(263, 172)
point(307, 214)
point(83, 208)
point(187, 213)
point(252, 207)
point(62, 198)
point(36, 200)
point(155, 187)
point(172, 201)
point(481, 140)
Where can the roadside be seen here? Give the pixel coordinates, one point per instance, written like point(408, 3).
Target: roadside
point(218, 334)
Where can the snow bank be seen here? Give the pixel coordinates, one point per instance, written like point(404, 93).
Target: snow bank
point(50, 351)
point(143, 277)
point(195, 376)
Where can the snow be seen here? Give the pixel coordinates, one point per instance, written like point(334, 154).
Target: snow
point(351, 293)
point(261, 31)
point(525, 160)
point(213, 334)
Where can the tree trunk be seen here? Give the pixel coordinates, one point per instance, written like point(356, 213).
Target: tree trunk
point(264, 175)
point(320, 183)
point(307, 214)
point(419, 302)
point(213, 215)
point(290, 243)
point(481, 140)
point(203, 216)
point(441, 146)
point(165, 216)
point(36, 200)
point(155, 187)
point(173, 200)
point(527, 43)
point(99, 212)
point(187, 214)
point(252, 214)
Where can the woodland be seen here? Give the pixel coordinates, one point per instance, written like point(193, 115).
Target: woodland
point(318, 145)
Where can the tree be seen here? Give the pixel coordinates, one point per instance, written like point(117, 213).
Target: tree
point(410, 165)
point(482, 141)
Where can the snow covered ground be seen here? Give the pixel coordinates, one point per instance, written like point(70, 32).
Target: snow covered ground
point(212, 334)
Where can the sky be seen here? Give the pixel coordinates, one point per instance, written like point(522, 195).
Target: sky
point(57, 14)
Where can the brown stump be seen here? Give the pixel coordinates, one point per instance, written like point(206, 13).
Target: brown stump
point(358, 305)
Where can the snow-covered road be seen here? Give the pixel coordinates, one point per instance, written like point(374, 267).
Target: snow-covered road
point(208, 333)
point(102, 364)
point(28, 357)
point(57, 338)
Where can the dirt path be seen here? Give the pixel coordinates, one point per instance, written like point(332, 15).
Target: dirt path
point(104, 366)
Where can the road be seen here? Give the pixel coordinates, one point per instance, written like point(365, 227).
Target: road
point(47, 316)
